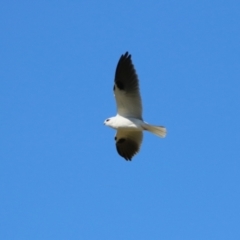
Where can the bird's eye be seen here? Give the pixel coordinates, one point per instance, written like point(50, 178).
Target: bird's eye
point(107, 120)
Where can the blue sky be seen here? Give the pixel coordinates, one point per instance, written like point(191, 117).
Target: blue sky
point(60, 174)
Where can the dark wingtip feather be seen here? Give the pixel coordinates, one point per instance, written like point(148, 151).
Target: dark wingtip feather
point(126, 55)
point(125, 153)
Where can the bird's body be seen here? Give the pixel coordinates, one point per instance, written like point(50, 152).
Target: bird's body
point(129, 122)
point(123, 123)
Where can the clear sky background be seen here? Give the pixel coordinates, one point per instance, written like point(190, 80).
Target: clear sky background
point(60, 174)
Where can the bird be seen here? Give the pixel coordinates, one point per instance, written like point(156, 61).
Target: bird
point(129, 122)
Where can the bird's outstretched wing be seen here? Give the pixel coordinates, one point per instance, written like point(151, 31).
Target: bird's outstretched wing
point(128, 143)
point(126, 88)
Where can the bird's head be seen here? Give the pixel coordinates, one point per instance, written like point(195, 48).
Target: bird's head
point(109, 122)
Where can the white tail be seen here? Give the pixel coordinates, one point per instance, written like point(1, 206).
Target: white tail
point(157, 130)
